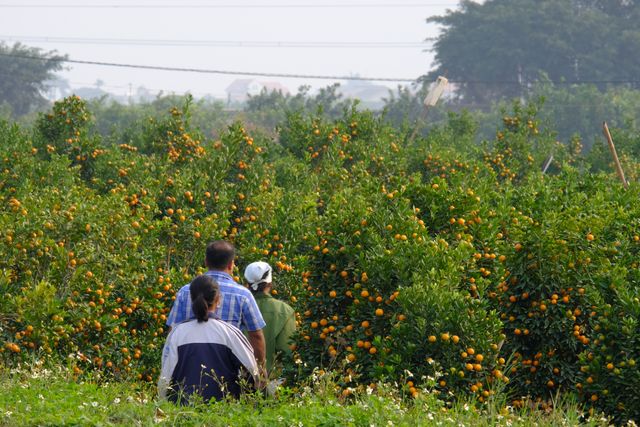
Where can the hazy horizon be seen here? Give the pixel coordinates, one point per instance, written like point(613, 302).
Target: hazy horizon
point(193, 35)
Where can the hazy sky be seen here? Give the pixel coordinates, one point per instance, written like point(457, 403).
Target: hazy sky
point(329, 23)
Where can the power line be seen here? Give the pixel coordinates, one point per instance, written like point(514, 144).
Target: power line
point(210, 71)
point(215, 43)
point(309, 76)
point(224, 6)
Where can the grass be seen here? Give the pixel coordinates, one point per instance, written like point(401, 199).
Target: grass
point(42, 397)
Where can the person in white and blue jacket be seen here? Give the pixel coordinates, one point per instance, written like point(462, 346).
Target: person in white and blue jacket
point(205, 355)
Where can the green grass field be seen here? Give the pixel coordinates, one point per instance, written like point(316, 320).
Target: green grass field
point(37, 396)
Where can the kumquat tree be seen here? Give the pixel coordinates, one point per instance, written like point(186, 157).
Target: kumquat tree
point(457, 270)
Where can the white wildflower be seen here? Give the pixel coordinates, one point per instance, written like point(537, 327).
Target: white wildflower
point(116, 400)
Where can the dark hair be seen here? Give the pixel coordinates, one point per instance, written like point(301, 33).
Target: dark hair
point(261, 287)
point(219, 254)
point(203, 290)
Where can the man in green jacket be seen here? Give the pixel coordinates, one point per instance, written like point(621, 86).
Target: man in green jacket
point(279, 316)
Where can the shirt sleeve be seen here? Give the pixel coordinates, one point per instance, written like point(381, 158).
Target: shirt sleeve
point(169, 362)
point(241, 348)
point(179, 308)
point(251, 317)
point(283, 338)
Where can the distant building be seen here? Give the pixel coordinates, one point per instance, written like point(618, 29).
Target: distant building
point(240, 89)
point(370, 95)
point(90, 92)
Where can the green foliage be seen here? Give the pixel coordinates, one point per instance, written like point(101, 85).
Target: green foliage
point(268, 109)
point(124, 124)
point(41, 397)
point(581, 109)
point(498, 48)
point(24, 72)
point(423, 262)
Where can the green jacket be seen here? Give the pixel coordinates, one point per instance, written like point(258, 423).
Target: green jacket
point(281, 323)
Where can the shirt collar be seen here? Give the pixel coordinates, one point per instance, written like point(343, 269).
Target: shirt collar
point(218, 273)
point(260, 295)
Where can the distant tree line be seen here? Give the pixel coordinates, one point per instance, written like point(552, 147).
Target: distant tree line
point(501, 48)
point(23, 78)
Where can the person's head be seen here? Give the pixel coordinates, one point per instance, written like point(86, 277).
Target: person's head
point(258, 274)
point(205, 296)
point(220, 255)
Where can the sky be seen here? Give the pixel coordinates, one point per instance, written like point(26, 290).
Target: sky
point(259, 35)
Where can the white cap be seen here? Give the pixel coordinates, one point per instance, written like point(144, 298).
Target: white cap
point(256, 273)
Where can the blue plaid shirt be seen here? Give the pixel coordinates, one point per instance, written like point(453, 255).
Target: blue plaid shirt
point(237, 305)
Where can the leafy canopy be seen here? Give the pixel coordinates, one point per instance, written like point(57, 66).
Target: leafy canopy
point(24, 72)
point(498, 48)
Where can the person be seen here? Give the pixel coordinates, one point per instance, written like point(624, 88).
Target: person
point(237, 307)
point(204, 356)
point(279, 316)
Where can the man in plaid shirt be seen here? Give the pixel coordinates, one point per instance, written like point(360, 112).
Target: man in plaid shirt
point(237, 304)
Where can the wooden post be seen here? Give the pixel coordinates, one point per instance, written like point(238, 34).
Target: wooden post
point(612, 147)
point(419, 121)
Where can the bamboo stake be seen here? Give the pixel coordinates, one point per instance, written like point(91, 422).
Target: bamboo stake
point(419, 121)
point(547, 163)
point(612, 147)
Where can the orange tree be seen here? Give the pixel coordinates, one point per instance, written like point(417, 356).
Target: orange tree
point(100, 250)
point(436, 262)
point(382, 294)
